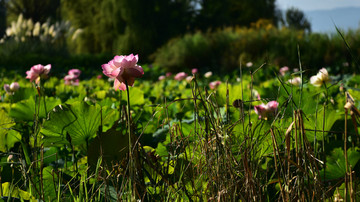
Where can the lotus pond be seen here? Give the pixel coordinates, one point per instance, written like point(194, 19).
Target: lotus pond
point(258, 135)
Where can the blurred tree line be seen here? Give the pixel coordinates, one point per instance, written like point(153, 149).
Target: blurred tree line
point(141, 26)
point(2, 18)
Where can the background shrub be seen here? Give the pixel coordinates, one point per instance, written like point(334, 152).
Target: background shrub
point(228, 47)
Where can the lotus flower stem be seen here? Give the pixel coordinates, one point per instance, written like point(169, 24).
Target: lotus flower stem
point(323, 128)
point(131, 164)
point(43, 96)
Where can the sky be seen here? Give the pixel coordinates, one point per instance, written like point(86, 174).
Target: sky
point(346, 16)
point(308, 5)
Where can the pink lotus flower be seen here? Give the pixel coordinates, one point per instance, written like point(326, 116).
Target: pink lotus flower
point(13, 87)
point(75, 72)
point(213, 85)
point(168, 74)
point(38, 71)
point(71, 80)
point(283, 70)
point(123, 69)
point(189, 79)
point(99, 76)
point(266, 111)
point(162, 77)
point(321, 77)
point(194, 71)
point(180, 76)
point(73, 77)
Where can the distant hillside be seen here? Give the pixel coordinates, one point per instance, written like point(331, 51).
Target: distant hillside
point(344, 18)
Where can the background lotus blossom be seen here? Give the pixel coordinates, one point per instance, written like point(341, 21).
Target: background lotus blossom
point(38, 71)
point(266, 111)
point(189, 78)
point(295, 81)
point(320, 78)
point(213, 85)
point(249, 64)
point(13, 87)
point(255, 94)
point(283, 70)
point(180, 76)
point(194, 71)
point(71, 80)
point(124, 70)
point(208, 74)
point(73, 77)
point(75, 72)
point(162, 77)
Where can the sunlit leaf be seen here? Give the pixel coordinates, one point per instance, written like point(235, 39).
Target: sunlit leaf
point(50, 181)
point(79, 120)
point(25, 110)
point(136, 96)
point(10, 190)
point(331, 116)
point(7, 137)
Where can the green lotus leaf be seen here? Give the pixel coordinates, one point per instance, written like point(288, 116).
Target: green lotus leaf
point(335, 163)
point(23, 94)
point(8, 137)
point(50, 178)
point(136, 96)
point(9, 189)
point(111, 145)
point(26, 109)
point(331, 117)
point(76, 123)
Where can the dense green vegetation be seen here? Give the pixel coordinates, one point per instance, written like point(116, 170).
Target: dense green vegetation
point(172, 34)
point(231, 103)
point(70, 142)
point(226, 49)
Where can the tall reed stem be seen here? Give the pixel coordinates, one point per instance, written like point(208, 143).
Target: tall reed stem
point(346, 157)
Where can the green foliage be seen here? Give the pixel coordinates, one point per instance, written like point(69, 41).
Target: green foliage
point(8, 137)
point(142, 26)
point(295, 19)
point(100, 20)
point(120, 26)
point(37, 10)
point(111, 145)
point(214, 14)
point(189, 141)
point(2, 18)
point(190, 51)
point(262, 43)
point(28, 38)
point(25, 110)
point(336, 166)
point(75, 123)
point(136, 96)
point(11, 191)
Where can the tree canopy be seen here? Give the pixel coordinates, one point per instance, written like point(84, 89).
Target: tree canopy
point(124, 26)
point(2, 18)
point(296, 19)
point(214, 13)
point(37, 10)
